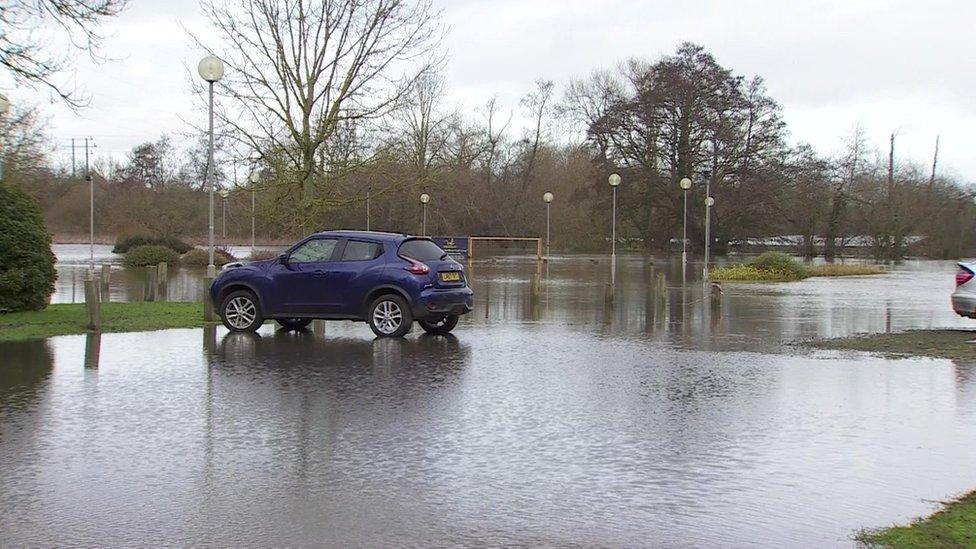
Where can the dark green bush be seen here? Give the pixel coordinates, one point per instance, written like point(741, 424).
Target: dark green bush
point(123, 245)
point(140, 256)
point(27, 272)
point(199, 257)
point(780, 263)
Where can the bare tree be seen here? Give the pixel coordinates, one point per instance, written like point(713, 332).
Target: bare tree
point(25, 53)
point(299, 70)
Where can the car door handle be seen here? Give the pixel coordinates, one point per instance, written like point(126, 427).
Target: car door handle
point(320, 273)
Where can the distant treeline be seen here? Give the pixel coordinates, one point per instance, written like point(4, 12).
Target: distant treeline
point(653, 122)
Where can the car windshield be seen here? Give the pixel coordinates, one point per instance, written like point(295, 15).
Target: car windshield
point(421, 250)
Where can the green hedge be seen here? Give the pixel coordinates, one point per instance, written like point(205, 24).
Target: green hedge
point(780, 263)
point(123, 245)
point(27, 272)
point(140, 256)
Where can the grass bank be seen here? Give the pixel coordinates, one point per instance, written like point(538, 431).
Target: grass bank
point(779, 267)
point(953, 526)
point(70, 318)
point(953, 344)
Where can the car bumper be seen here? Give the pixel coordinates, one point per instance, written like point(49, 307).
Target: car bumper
point(964, 305)
point(439, 302)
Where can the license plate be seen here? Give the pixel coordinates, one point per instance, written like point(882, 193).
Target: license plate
point(453, 276)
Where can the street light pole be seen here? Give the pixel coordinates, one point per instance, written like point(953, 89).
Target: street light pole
point(547, 198)
point(424, 199)
point(685, 184)
point(367, 209)
point(709, 202)
point(253, 179)
point(211, 69)
point(614, 180)
point(224, 193)
point(4, 109)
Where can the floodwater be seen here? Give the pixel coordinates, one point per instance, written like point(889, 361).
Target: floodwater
point(550, 418)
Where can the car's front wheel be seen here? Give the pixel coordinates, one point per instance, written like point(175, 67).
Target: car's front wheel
point(241, 312)
point(390, 316)
point(295, 324)
point(440, 326)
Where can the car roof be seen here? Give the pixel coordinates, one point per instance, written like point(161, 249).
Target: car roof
point(370, 235)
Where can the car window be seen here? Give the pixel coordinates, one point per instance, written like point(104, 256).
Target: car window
point(318, 249)
point(357, 250)
point(421, 250)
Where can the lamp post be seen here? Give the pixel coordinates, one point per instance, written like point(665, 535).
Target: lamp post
point(253, 179)
point(424, 200)
point(211, 69)
point(4, 109)
point(367, 208)
point(547, 198)
point(614, 181)
point(224, 193)
point(709, 202)
point(685, 184)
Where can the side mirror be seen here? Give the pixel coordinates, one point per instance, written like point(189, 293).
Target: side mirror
point(283, 259)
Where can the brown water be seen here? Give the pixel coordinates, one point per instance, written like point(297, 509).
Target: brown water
point(549, 419)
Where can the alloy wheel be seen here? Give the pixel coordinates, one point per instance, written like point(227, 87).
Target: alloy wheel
point(240, 312)
point(387, 317)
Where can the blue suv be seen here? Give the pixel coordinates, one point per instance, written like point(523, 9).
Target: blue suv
point(386, 279)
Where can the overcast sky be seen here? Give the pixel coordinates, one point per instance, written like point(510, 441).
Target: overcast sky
point(904, 65)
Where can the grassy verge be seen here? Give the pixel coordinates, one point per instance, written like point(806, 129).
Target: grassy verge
point(953, 344)
point(70, 318)
point(840, 269)
point(760, 274)
point(953, 526)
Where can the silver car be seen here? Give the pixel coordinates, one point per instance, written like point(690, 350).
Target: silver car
point(964, 298)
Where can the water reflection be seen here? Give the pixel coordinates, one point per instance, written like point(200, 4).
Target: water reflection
point(24, 373)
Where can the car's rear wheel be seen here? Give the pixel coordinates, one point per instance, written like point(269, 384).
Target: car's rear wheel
point(295, 324)
point(389, 316)
point(440, 326)
point(241, 312)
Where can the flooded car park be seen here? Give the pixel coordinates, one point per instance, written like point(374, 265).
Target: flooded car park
point(549, 418)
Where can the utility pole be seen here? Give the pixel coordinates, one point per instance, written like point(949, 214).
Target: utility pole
point(73, 175)
point(935, 164)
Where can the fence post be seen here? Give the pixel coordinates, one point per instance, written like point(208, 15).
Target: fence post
point(106, 281)
point(208, 307)
point(150, 287)
point(162, 273)
point(93, 304)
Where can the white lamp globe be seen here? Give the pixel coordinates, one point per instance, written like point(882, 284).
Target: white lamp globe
point(224, 193)
point(255, 177)
point(685, 183)
point(614, 179)
point(709, 201)
point(424, 198)
point(547, 198)
point(211, 68)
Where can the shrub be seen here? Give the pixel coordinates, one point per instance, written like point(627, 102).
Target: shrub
point(199, 257)
point(151, 254)
point(780, 263)
point(123, 245)
point(27, 272)
point(259, 255)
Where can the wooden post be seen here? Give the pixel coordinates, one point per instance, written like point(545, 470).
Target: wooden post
point(93, 304)
point(608, 293)
point(538, 249)
point(660, 292)
point(150, 287)
point(208, 306)
point(162, 273)
point(470, 247)
point(318, 327)
point(93, 346)
point(106, 281)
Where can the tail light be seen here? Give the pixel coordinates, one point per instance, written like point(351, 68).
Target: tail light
point(963, 275)
point(416, 267)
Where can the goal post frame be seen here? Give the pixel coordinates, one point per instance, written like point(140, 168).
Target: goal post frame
point(536, 239)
